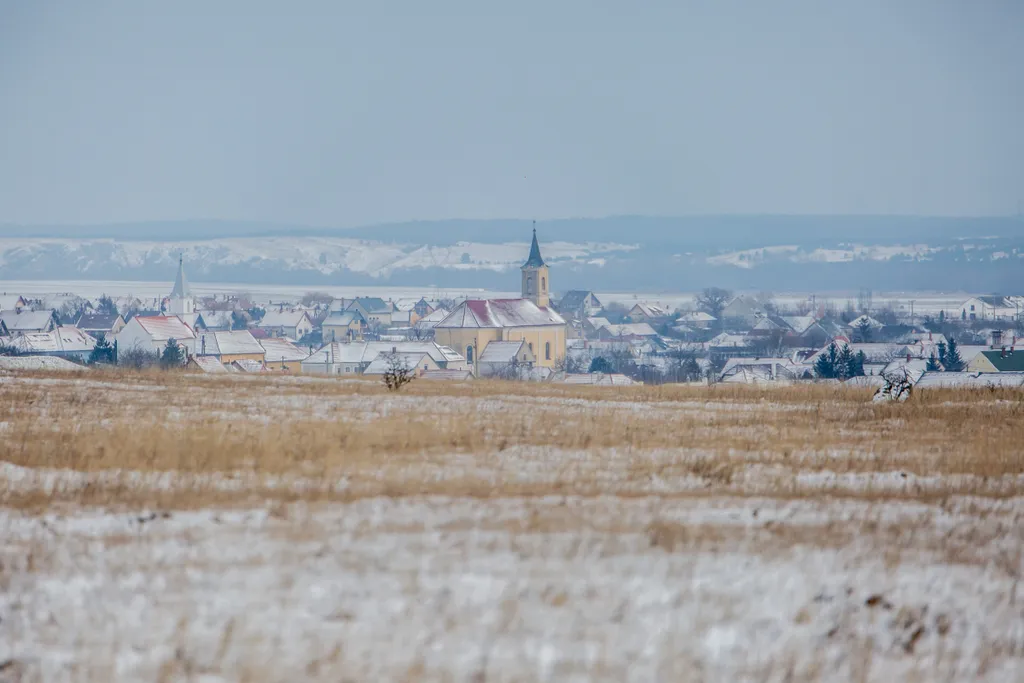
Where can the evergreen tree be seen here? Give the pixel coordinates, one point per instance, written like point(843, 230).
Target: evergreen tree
point(845, 363)
point(954, 363)
point(106, 306)
point(942, 353)
point(933, 364)
point(825, 366)
point(103, 352)
point(173, 355)
point(942, 317)
point(239, 320)
point(858, 368)
point(601, 364)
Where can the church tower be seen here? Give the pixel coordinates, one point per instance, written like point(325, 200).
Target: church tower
point(536, 283)
point(181, 301)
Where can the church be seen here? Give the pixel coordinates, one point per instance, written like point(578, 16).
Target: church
point(477, 322)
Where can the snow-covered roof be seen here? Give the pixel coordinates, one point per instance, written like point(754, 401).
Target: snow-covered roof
point(500, 313)
point(861, 319)
point(9, 302)
point(729, 340)
point(598, 323)
point(282, 319)
point(599, 379)
point(97, 322)
point(37, 363)
point(501, 351)
point(381, 363)
point(63, 339)
point(799, 323)
point(280, 350)
point(696, 317)
point(216, 318)
point(26, 321)
point(164, 327)
point(208, 364)
point(632, 330)
point(249, 365)
point(343, 318)
point(228, 343)
point(365, 352)
point(970, 379)
point(650, 310)
point(446, 374)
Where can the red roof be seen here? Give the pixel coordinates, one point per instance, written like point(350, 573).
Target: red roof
point(498, 313)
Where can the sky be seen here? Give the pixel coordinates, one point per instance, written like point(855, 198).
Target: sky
point(335, 113)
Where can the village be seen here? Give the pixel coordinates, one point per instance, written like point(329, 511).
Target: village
point(571, 337)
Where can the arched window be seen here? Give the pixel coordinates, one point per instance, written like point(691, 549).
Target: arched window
point(469, 354)
point(543, 284)
point(547, 350)
point(529, 285)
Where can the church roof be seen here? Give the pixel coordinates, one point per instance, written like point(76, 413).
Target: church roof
point(500, 313)
point(181, 289)
point(535, 261)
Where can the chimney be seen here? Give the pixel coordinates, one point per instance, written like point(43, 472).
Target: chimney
point(908, 356)
point(997, 338)
point(1003, 354)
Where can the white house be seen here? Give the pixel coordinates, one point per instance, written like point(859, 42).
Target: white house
point(291, 324)
point(65, 341)
point(27, 322)
point(992, 308)
point(150, 333)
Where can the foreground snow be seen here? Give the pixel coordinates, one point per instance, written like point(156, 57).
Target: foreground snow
point(555, 588)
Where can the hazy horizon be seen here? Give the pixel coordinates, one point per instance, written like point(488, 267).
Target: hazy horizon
point(344, 115)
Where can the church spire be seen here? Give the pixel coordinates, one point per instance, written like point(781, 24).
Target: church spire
point(181, 289)
point(534, 261)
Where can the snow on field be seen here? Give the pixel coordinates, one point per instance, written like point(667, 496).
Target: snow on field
point(550, 589)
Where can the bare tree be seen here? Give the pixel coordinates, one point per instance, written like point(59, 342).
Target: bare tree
point(316, 299)
point(712, 300)
point(398, 373)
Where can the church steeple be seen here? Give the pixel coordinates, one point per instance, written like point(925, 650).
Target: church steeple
point(535, 275)
point(181, 301)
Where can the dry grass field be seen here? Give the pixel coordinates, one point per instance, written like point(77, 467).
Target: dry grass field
point(171, 527)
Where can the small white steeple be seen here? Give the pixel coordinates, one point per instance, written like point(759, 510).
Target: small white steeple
point(181, 301)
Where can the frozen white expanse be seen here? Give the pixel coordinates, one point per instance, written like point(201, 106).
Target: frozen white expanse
point(547, 589)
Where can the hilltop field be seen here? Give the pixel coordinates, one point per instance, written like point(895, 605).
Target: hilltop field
point(172, 527)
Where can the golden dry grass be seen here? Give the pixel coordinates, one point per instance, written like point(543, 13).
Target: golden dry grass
point(352, 438)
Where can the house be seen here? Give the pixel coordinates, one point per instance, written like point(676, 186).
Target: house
point(424, 307)
point(762, 370)
point(247, 365)
point(343, 326)
point(207, 364)
point(998, 360)
point(696, 320)
point(281, 354)
point(579, 304)
point(292, 324)
point(12, 302)
point(214, 321)
point(344, 358)
point(374, 310)
point(100, 324)
point(65, 341)
point(151, 333)
point(993, 307)
point(500, 358)
point(646, 313)
point(447, 375)
point(430, 320)
point(229, 346)
point(599, 379)
point(417, 362)
point(477, 322)
point(626, 330)
point(27, 322)
point(593, 325)
point(866, 322)
point(745, 308)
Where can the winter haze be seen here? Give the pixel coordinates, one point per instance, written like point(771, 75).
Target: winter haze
point(673, 145)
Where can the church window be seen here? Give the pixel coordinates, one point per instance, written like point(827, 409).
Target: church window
point(529, 285)
point(543, 284)
point(547, 350)
point(469, 354)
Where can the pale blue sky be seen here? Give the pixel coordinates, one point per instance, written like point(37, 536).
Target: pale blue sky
point(343, 113)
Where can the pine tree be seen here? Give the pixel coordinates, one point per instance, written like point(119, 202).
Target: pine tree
point(825, 366)
point(103, 352)
point(942, 353)
point(859, 359)
point(845, 363)
point(173, 355)
point(933, 364)
point(954, 363)
point(106, 306)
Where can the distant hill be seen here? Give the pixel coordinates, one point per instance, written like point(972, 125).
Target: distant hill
point(623, 252)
